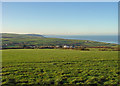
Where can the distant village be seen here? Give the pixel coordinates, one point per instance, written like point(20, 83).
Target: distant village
point(101, 48)
point(9, 41)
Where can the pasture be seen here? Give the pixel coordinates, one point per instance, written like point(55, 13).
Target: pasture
point(59, 67)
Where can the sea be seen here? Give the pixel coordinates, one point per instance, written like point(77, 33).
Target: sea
point(99, 38)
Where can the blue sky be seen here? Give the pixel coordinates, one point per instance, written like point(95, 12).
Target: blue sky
point(61, 18)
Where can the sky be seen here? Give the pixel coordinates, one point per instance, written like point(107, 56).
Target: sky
point(60, 18)
point(60, 0)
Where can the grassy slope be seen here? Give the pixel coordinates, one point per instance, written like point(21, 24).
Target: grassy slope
point(51, 66)
point(20, 40)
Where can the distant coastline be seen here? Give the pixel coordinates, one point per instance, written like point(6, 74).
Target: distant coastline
point(99, 38)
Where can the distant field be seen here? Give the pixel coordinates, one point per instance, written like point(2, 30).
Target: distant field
point(59, 67)
point(20, 40)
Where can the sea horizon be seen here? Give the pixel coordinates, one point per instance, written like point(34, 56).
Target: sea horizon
point(99, 38)
point(113, 38)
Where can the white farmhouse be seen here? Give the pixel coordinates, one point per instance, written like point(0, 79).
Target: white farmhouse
point(65, 46)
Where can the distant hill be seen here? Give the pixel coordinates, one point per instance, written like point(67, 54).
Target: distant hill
point(19, 40)
point(9, 35)
point(36, 35)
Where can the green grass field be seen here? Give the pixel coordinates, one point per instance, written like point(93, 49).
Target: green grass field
point(58, 67)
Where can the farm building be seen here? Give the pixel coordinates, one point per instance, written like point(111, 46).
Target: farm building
point(65, 46)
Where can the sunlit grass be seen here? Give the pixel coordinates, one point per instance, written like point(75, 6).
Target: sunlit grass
point(58, 66)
